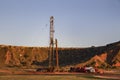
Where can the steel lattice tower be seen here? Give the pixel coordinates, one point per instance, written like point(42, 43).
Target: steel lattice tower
point(51, 45)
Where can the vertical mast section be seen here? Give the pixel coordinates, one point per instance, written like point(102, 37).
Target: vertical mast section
point(57, 58)
point(52, 30)
point(51, 47)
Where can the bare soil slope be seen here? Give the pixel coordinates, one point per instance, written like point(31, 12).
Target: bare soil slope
point(103, 56)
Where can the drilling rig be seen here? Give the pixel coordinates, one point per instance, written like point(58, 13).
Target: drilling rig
point(51, 45)
point(52, 52)
point(53, 58)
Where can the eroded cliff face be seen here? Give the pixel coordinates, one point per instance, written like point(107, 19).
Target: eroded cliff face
point(22, 56)
point(103, 56)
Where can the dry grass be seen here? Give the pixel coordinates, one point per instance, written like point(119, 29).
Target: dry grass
point(49, 77)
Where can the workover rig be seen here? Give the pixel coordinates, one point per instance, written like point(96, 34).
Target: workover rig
point(52, 52)
point(53, 58)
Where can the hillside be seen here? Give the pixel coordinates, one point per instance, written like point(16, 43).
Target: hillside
point(95, 61)
point(103, 56)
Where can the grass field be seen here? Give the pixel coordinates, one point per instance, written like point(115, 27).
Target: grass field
point(50, 77)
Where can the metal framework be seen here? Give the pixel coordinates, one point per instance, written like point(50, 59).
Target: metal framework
point(53, 58)
point(51, 46)
point(57, 57)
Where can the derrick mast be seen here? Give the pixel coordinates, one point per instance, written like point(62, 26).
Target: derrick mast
point(51, 45)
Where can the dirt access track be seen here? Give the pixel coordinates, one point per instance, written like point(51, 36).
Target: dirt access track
point(104, 75)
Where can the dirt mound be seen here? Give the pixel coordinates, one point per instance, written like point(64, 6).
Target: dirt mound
point(95, 61)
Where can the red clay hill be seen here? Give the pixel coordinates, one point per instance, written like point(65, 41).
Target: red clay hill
point(19, 56)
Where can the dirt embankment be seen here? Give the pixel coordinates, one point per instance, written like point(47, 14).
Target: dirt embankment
point(103, 56)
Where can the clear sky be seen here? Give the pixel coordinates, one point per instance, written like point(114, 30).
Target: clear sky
point(78, 23)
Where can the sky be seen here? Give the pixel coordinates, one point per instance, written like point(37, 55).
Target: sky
point(77, 23)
